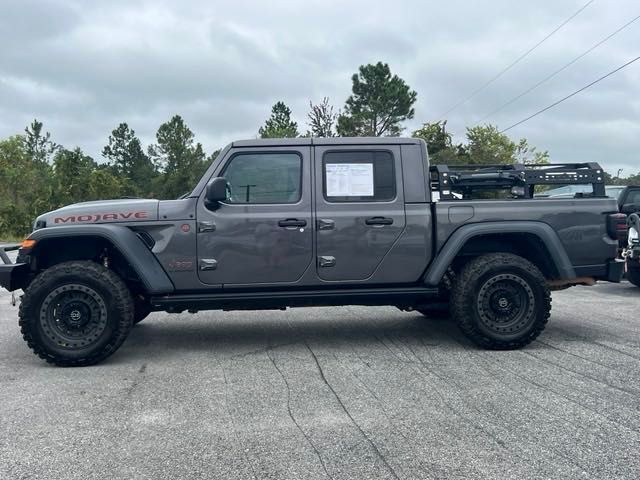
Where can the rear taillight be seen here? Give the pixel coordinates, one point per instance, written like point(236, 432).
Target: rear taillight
point(617, 226)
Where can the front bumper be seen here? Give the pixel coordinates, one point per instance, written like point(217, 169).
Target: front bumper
point(12, 275)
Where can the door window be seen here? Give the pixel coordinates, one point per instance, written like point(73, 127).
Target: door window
point(358, 176)
point(264, 178)
point(633, 197)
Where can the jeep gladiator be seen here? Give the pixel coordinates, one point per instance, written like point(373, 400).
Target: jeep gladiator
point(317, 222)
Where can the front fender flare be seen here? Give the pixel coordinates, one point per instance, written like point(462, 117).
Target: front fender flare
point(543, 231)
point(142, 260)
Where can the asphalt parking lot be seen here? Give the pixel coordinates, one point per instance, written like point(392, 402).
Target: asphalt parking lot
point(341, 393)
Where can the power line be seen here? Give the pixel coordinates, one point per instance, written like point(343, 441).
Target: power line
point(570, 95)
point(549, 77)
point(516, 61)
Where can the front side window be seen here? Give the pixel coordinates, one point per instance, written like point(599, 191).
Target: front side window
point(358, 176)
point(264, 178)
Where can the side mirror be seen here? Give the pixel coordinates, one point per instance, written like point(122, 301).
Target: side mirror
point(630, 208)
point(216, 190)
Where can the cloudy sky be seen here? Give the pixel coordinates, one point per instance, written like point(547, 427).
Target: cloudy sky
point(82, 67)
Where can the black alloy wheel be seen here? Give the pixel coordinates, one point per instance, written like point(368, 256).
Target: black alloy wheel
point(501, 301)
point(76, 313)
point(73, 316)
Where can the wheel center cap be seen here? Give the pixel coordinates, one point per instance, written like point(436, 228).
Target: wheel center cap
point(76, 315)
point(503, 302)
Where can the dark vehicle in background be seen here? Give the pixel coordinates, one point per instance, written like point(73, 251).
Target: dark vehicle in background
point(628, 199)
point(631, 254)
point(629, 204)
point(304, 222)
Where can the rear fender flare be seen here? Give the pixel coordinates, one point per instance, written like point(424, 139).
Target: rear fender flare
point(459, 238)
point(130, 246)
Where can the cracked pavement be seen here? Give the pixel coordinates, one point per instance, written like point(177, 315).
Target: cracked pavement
point(338, 393)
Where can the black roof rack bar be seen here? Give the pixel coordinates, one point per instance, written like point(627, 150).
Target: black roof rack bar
point(453, 181)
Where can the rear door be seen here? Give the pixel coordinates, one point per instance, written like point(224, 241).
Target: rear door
point(262, 233)
point(359, 209)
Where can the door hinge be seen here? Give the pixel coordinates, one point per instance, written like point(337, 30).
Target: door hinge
point(208, 264)
point(206, 227)
point(326, 261)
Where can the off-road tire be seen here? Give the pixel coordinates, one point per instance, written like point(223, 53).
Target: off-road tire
point(501, 301)
point(633, 272)
point(141, 309)
point(77, 291)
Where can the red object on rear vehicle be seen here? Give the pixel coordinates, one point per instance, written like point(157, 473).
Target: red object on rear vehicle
point(617, 226)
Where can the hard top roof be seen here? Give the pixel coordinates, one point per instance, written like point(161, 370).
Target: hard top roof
point(284, 142)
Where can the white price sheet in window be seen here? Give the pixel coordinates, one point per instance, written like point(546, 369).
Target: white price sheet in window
point(349, 179)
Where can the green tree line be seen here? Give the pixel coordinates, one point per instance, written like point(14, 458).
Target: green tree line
point(38, 175)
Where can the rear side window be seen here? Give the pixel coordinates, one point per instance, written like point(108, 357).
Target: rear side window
point(264, 178)
point(358, 176)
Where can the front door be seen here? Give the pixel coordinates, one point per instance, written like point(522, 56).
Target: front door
point(262, 233)
point(359, 209)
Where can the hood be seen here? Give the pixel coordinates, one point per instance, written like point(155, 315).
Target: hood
point(102, 211)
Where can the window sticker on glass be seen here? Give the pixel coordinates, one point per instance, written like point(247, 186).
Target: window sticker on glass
point(349, 179)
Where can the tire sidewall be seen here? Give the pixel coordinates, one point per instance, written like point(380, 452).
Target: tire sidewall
point(466, 291)
point(108, 340)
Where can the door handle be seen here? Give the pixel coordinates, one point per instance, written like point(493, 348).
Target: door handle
point(292, 222)
point(326, 224)
point(206, 227)
point(208, 264)
point(379, 221)
point(326, 261)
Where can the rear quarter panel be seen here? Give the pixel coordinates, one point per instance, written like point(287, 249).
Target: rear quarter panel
point(579, 223)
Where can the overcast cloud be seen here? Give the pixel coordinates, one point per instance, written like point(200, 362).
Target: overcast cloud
point(84, 67)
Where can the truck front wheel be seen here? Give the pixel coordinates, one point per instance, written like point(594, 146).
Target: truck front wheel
point(76, 313)
point(501, 301)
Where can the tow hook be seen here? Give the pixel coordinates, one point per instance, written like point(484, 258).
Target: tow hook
point(13, 299)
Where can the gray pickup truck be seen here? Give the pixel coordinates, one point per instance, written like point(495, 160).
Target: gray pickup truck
point(318, 222)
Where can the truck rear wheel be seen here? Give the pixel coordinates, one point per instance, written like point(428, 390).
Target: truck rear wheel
point(76, 313)
point(501, 301)
point(633, 272)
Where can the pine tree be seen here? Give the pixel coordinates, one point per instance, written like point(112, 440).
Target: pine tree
point(39, 146)
point(279, 124)
point(129, 161)
point(378, 105)
point(182, 160)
